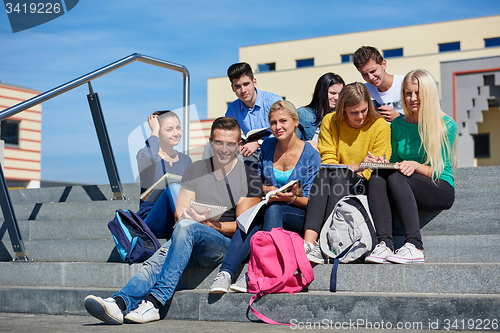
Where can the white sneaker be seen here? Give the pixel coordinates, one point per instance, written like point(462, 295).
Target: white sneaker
point(407, 254)
point(240, 285)
point(314, 253)
point(105, 310)
point(379, 254)
point(145, 313)
point(221, 284)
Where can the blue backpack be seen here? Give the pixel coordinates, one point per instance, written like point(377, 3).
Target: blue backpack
point(134, 240)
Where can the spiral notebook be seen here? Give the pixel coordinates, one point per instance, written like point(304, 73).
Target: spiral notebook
point(215, 211)
point(374, 166)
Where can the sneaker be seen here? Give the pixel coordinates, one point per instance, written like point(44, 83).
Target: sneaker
point(314, 253)
point(407, 254)
point(105, 310)
point(221, 284)
point(145, 313)
point(379, 254)
point(240, 285)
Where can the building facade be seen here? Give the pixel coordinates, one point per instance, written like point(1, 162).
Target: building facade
point(291, 69)
point(22, 139)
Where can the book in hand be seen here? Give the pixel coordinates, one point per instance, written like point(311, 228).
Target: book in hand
point(375, 166)
point(256, 134)
point(334, 166)
point(246, 218)
point(154, 191)
point(215, 212)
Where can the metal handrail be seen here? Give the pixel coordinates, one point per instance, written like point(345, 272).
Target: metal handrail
point(102, 71)
point(6, 204)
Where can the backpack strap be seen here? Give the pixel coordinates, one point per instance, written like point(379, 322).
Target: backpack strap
point(280, 238)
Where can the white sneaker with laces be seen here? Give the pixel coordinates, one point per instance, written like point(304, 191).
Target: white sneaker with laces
point(221, 284)
point(407, 254)
point(145, 313)
point(240, 285)
point(379, 254)
point(105, 310)
point(314, 253)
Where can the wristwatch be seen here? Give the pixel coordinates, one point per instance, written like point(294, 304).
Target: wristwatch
point(260, 142)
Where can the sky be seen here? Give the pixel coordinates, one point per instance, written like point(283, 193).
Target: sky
point(203, 36)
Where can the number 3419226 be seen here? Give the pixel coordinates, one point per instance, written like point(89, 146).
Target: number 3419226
point(471, 324)
point(33, 8)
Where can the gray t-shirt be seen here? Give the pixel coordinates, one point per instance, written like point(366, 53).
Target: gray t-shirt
point(242, 181)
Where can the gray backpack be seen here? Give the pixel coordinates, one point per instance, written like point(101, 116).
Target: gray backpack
point(348, 233)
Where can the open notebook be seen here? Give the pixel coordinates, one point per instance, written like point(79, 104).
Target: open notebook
point(245, 220)
point(154, 191)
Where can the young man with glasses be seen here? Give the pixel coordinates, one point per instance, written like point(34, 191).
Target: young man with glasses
point(197, 240)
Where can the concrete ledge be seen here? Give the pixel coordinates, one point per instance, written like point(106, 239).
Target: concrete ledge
point(425, 278)
point(416, 311)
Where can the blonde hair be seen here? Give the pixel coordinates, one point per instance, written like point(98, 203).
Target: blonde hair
point(351, 95)
point(431, 125)
point(286, 106)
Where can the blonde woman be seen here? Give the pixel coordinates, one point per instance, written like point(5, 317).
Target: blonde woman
point(282, 159)
point(423, 142)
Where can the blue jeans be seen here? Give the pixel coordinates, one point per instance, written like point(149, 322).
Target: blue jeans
point(160, 218)
point(192, 245)
point(276, 215)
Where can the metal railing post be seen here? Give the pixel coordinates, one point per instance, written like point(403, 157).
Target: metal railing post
point(10, 218)
point(105, 144)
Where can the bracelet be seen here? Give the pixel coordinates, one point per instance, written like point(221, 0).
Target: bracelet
point(291, 202)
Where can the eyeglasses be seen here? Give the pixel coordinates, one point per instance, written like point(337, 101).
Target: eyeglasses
point(220, 144)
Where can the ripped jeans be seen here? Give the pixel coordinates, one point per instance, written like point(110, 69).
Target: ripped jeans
point(192, 245)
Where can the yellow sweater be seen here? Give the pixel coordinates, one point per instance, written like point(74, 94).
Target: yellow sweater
point(339, 143)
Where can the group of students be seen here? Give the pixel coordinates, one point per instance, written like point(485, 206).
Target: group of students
point(343, 124)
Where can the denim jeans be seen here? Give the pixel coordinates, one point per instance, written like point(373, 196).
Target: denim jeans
point(192, 245)
point(276, 215)
point(160, 218)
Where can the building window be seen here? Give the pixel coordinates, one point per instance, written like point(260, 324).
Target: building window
point(393, 53)
point(445, 47)
point(345, 58)
point(491, 42)
point(482, 145)
point(9, 131)
point(267, 67)
point(305, 62)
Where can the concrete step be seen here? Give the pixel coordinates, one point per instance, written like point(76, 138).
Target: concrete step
point(476, 179)
point(323, 309)
point(68, 211)
point(438, 249)
point(71, 194)
point(424, 278)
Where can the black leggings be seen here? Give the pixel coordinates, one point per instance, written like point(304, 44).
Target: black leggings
point(329, 186)
point(407, 195)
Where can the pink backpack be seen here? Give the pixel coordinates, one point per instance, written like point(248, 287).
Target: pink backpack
point(278, 264)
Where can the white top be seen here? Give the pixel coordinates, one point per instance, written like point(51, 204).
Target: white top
point(390, 97)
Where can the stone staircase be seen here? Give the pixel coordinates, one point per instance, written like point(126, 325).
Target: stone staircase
point(72, 254)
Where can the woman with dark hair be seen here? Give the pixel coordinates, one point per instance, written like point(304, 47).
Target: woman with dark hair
point(354, 133)
point(154, 160)
point(325, 96)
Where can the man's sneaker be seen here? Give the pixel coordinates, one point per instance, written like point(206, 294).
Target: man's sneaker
point(105, 310)
point(145, 313)
point(240, 285)
point(221, 284)
point(314, 253)
point(407, 254)
point(379, 254)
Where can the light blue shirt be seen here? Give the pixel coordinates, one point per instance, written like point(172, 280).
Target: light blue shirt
point(256, 117)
